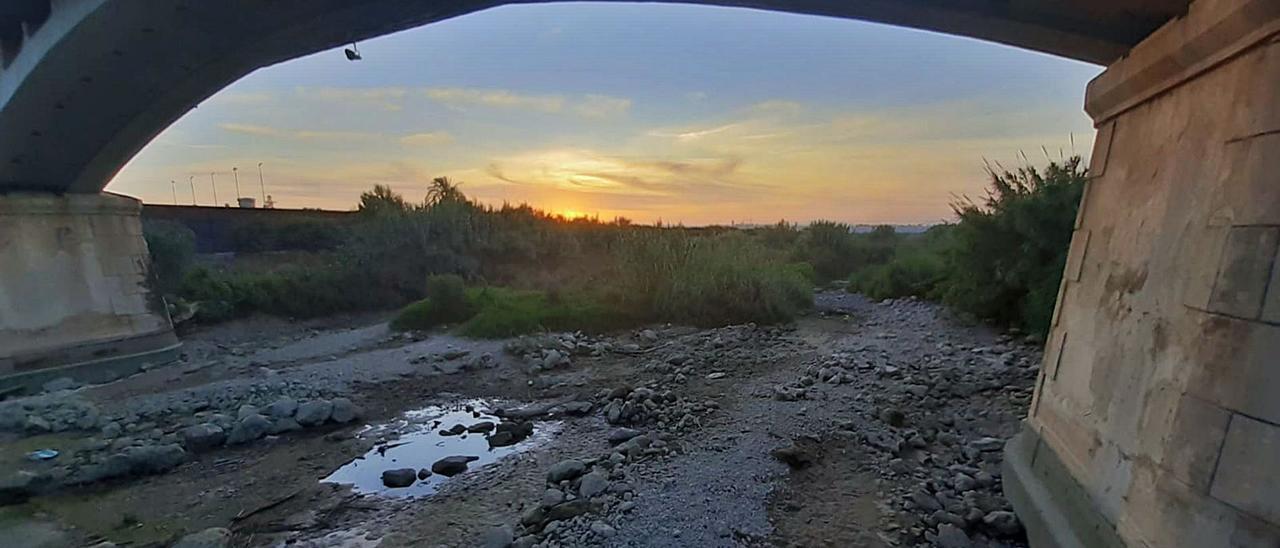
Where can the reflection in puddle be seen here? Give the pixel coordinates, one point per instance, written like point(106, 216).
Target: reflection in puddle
point(419, 440)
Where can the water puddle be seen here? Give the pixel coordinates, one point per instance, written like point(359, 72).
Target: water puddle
point(421, 439)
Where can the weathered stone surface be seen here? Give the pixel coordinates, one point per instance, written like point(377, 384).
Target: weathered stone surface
point(213, 537)
point(202, 437)
point(249, 428)
point(399, 477)
point(314, 413)
point(593, 484)
point(565, 470)
point(452, 466)
point(343, 411)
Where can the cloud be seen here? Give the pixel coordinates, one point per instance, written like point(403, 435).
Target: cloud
point(298, 135)
point(496, 98)
point(428, 139)
point(777, 106)
point(693, 134)
point(243, 98)
point(384, 98)
point(590, 105)
point(602, 106)
point(696, 96)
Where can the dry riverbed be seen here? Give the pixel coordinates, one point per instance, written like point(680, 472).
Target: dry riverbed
point(863, 424)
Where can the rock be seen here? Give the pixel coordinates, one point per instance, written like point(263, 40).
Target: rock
point(570, 509)
point(987, 444)
point(893, 417)
point(314, 413)
point(343, 411)
point(565, 470)
point(36, 424)
point(794, 456)
point(248, 429)
point(553, 358)
point(603, 529)
point(532, 516)
point(112, 429)
point(452, 466)
point(153, 459)
point(964, 483)
point(1003, 523)
point(620, 435)
point(245, 410)
point(282, 425)
point(498, 537)
point(202, 437)
point(527, 541)
point(213, 537)
point(593, 484)
point(925, 501)
point(480, 427)
point(282, 408)
point(457, 429)
point(950, 536)
point(61, 383)
point(424, 474)
point(552, 497)
point(717, 375)
point(399, 477)
point(501, 439)
point(18, 485)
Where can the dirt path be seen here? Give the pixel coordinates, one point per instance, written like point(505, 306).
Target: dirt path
point(891, 413)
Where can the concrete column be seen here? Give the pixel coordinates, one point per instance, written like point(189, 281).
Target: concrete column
point(74, 298)
point(1156, 420)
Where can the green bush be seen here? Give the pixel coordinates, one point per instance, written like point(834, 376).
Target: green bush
point(172, 247)
point(912, 274)
point(447, 302)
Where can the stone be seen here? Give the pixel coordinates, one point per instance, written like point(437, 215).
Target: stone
point(250, 428)
point(570, 509)
point(153, 459)
point(213, 537)
point(593, 484)
point(498, 537)
point(246, 410)
point(717, 375)
point(552, 497)
point(399, 477)
point(603, 529)
point(1003, 523)
point(282, 408)
point(452, 466)
point(925, 501)
point(314, 412)
point(950, 536)
point(565, 470)
point(987, 444)
point(202, 437)
point(283, 425)
point(16, 486)
point(501, 439)
point(343, 411)
point(61, 383)
point(893, 417)
point(455, 430)
point(794, 456)
point(480, 427)
point(424, 473)
point(620, 435)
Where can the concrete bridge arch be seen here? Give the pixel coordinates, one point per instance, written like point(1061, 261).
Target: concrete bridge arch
point(1155, 420)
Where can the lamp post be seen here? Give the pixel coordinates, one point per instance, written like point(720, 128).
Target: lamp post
point(173, 185)
point(214, 186)
point(235, 172)
point(263, 185)
point(191, 180)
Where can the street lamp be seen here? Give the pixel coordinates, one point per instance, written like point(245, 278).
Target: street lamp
point(263, 185)
point(235, 172)
point(191, 180)
point(215, 189)
point(173, 185)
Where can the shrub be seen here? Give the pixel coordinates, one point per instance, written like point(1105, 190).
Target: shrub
point(911, 274)
point(172, 247)
point(446, 303)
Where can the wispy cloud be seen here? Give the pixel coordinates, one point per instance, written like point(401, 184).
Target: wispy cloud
point(301, 135)
point(496, 98)
point(433, 138)
point(384, 98)
point(602, 106)
point(692, 134)
point(587, 106)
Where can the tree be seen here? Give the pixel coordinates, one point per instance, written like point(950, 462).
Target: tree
point(382, 200)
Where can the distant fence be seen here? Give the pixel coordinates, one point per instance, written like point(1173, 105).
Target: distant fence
point(224, 229)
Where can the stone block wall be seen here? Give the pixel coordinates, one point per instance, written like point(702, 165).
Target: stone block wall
point(1160, 392)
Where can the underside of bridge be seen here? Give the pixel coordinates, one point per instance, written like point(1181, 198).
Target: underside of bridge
point(1155, 421)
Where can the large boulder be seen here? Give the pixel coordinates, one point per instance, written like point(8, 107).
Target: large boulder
point(202, 437)
point(213, 537)
point(399, 477)
point(249, 428)
point(565, 470)
point(314, 413)
point(452, 466)
point(593, 484)
point(344, 411)
point(153, 459)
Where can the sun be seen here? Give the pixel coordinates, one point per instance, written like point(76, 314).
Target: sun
point(571, 213)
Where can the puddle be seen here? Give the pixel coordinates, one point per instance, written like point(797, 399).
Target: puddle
point(415, 442)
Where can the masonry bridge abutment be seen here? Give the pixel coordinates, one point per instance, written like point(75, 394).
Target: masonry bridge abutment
point(1156, 417)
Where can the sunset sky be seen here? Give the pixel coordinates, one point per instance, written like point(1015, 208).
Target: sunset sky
point(687, 114)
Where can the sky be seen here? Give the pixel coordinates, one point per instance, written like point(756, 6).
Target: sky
point(684, 114)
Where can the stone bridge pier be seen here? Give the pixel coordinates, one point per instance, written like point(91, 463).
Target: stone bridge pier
point(1156, 420)
point(74, 297)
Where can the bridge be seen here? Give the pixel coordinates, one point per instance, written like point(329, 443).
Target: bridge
point(1156, 417)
